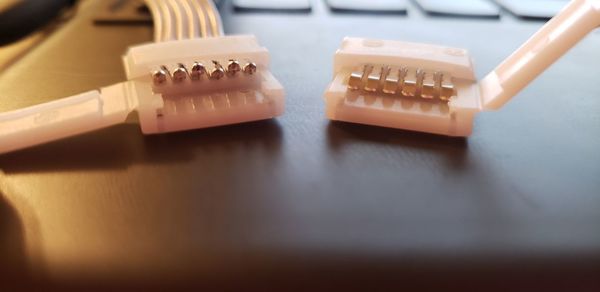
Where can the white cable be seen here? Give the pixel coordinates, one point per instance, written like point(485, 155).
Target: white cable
point(192, 22)
point(214, 17)
point(181, 21)
point(158, 21)
point(201, 18)
point(170, 21)
point(184, 19)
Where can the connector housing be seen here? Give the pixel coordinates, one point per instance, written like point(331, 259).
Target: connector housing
point(402, 85)
point(198, 83)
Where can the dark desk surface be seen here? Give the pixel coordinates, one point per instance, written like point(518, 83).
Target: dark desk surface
point(299, 200)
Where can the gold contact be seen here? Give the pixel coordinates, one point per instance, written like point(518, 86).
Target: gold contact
point(198, 71)
point(408, 82)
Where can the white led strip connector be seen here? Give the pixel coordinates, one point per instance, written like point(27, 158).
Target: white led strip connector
point(433, 89)
point(181, 82)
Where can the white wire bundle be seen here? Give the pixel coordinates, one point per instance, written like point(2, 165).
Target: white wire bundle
point(184, 19)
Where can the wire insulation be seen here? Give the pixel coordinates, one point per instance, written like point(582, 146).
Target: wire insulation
point(184, 19)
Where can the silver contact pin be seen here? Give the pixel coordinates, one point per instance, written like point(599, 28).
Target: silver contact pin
point(357, 78)
point(409, 88)
point(250, 68)
point(233, 67)
point(180, 73)
point(437, 84)
point(428, 86)
point(420, 77)
point(374, 79)
point(198, 70)
point(447, 90)
point(160, 76)
point(217, 72)
point(392, 82)
point(402, 78)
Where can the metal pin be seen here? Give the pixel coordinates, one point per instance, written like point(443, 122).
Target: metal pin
point(428, 86)
point(374, 79)
point(385, 72)
point(233, 67)
point(357, 78)
point(437, 84)
point(218, 72)
point(409, 87)
point(250, 68)
point(448, 89)
point(180, 74)
point(401, 78)
point(159, 76)
point(198, 70)
point(390, 85)
point(420, 77)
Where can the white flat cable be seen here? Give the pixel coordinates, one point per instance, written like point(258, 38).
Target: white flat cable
point(180, 82)
point(433, 89)
point(184, 19)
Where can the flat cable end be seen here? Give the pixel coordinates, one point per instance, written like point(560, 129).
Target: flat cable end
point(174, 86)
point(199, 83)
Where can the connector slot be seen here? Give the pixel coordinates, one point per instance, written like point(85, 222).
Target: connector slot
point(400, 81)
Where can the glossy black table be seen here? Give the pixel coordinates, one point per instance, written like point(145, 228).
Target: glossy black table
point(301, 202)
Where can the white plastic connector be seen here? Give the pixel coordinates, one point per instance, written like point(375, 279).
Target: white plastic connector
point(235, 86)
point(392, 107)
point(433, 89)
point(206, 101)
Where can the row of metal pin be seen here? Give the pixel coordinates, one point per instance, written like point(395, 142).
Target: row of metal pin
point(198, 71)
point(406, 81)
